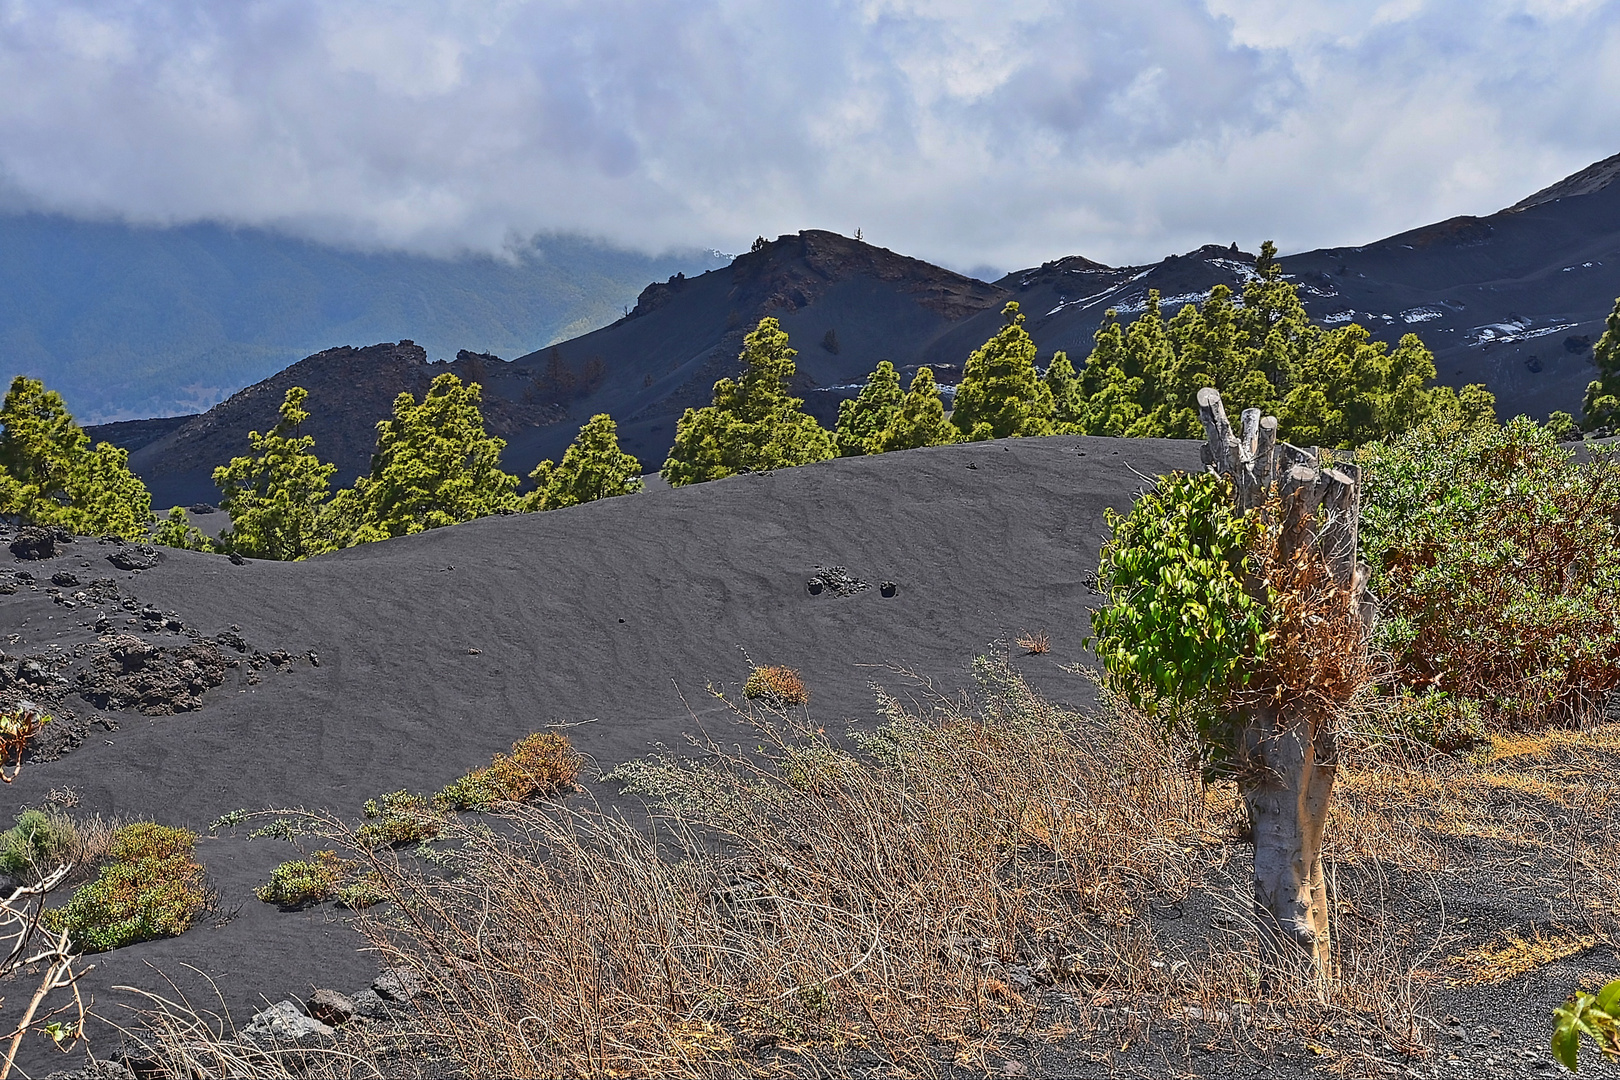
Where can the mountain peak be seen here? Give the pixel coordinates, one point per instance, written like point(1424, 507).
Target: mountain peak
point(1593, 178)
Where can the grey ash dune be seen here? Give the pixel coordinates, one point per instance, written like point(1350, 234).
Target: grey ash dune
point(1513, 300)
point(433, 651)
point(612, 616)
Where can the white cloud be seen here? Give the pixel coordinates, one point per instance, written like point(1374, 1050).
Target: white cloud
point(955, 130)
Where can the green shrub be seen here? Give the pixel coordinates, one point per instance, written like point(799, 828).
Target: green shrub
point(1179, 632)
point(361, 892)
point(539, 764)
point(298, 883)
point(37, 843)
point(777, 685)
point(1447, 723)
point(1496, 561)
point(398, 817)
point(150, 887)
point(1597, 1016)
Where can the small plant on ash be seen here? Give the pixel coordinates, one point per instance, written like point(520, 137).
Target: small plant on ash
point(1036, 644)
point(540, 764)
point(17, 729)
point(776, 685)
point(398, 817)
point(150, 887)
point(298, 883)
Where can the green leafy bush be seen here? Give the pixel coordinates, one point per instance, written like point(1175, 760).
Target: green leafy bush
point(37, 844)
point(399, 817)
point(150, 887)
point(1180, 631)
point(362, 891)
point(539, 764)
point(1496, 561)
point(1597, 1016)
point(298, 883)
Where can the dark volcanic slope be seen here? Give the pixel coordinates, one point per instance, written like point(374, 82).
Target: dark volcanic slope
point(350, 390)
point(602, 616)
point(686, 333)
point(1514, 300)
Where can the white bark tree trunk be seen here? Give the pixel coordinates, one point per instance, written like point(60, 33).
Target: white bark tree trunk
point(1287, 762)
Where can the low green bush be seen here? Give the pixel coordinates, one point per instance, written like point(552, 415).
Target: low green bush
point(1496, 563)
point(37, 844)
point(150, 887)
point(539, 764)
point(399, 817)
point(298, 883)
point(361, 892)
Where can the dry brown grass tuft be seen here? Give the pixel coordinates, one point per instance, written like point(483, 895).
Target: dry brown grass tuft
point(1512, 955)
point(912, 901)
point(776, 686)
point(1036, 644)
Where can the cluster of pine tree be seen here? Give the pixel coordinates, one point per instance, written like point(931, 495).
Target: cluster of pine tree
point(51, 475)
point(435, 465)
point(1330, 387)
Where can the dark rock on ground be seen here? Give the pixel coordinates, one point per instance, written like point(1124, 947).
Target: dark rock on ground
point(135, 557)
point(397, 985)
point(331, 1007)
point(34, 543)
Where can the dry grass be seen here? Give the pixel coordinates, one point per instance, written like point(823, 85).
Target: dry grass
point(1512, 955)
point(539, 764)
point(921, 900)
point(1034, 644)
point(776, 686)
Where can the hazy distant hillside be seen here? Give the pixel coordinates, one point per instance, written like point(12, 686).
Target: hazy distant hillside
point(133, 322)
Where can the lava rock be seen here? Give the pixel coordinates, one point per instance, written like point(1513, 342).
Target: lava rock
point(397, 984)
point(369, 1004)
point(331, 1007)
point(134, 557)
point(35, 544)
point(65, 578)
point(130, 651)
point(285, 1022)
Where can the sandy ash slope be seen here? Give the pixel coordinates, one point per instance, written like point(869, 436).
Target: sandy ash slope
point(436, 650)
point(403, 664)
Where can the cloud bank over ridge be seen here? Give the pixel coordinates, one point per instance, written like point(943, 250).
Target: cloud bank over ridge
point(961, 132)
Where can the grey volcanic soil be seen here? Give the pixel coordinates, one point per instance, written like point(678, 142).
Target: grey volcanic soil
point(602, 615)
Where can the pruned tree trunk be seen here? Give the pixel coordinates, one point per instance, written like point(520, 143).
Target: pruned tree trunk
point(1286, 755)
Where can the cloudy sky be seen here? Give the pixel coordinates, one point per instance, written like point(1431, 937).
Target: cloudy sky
point(976, 134)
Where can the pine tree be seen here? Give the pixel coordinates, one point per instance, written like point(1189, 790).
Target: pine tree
point(860, 420)
point(753, 424)
point(1601, 409)
point(274, 495)
point(1068, 400)
point(1329, 387)
point(177, 531)
point(435, 465)
point(919, 421)
point(593, 467)
point(53, 476)
point(1001, 394)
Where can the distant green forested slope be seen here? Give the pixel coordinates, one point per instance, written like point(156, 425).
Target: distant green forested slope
point(133, 322)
